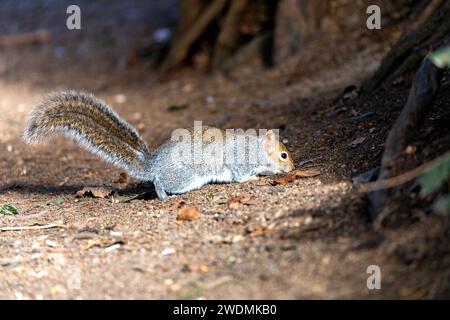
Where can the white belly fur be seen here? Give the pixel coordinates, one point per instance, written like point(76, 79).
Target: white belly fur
point(224, 177)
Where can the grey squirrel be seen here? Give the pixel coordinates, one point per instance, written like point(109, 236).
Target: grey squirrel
point(95, 126)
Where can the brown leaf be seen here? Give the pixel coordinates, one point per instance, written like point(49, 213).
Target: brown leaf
point(121, 178)
point(285, 180)
point(306, 173)
point(292, 177)
point(235, 202)
point(189, 214)
point(96, 192)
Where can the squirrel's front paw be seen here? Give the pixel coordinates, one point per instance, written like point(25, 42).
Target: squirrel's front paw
point(162, 194)
point(249, 178)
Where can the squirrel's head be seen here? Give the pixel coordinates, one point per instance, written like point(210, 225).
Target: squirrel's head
point(279, 157)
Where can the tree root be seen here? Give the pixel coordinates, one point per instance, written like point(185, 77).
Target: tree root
point(425, 86)
point(229, 34)
point(412, 48)
point(180, 50)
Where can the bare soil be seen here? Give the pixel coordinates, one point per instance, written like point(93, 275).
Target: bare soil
point(303, 240)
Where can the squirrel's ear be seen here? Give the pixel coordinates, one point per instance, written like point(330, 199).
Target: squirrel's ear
point(270, 135)
point(270, 141)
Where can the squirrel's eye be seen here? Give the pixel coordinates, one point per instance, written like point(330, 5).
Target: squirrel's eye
point(283, 155)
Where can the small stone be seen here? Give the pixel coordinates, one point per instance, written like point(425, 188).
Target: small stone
point(308, 220)
point(50, 243)
point(237, 238)
point(168, 251)
point(115, 233)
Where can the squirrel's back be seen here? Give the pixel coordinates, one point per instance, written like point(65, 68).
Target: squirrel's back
point(90, 122)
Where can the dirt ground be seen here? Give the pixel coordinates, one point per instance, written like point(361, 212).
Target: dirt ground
point(308, 239)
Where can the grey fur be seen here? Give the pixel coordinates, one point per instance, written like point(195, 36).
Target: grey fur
point(83, 125)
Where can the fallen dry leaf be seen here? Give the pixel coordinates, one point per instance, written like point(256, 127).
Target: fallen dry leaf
point(121, 178)
point(189, 214)
point(292, 177)
point(235, 202)
point(306, 173)
point(285, 180)
point(95, 192)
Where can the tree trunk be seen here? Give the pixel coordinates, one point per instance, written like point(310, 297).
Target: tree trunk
point(179, 50)
point(410, 50)
point(229, 34)
point(297, 21)
point(220, 28)
point(405, 56)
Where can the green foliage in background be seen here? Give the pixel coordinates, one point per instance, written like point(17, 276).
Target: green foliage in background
point(438, 174)
point(435, 176)
point(432, 179)
point(441, 57)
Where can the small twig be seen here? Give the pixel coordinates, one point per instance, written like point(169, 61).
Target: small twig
point(39, 227)
point(378, 222)
point(402, 178)
point(420, 100)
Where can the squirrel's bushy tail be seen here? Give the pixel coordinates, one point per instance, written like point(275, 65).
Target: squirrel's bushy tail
point(94, 125)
